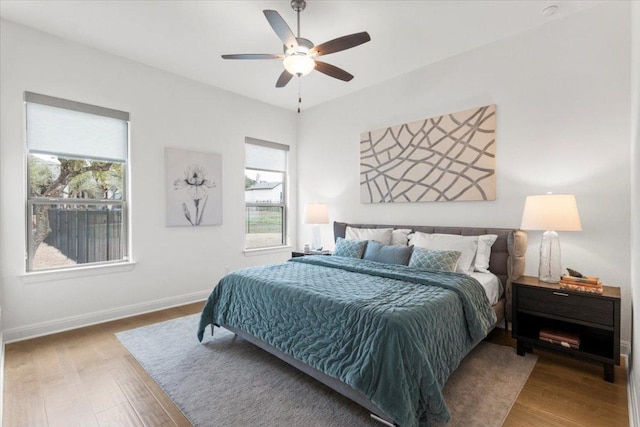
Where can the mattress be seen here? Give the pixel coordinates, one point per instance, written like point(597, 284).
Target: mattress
point(491, 285)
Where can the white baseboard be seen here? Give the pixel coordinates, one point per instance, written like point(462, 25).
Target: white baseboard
point(74, 322)
point(633, 395)
point(1, 365)
point(625, 348)
point(1, 372)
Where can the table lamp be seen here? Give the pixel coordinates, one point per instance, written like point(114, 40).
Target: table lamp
point(551, 213)
point(316, 213)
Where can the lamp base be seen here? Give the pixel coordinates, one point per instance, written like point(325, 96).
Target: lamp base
point(550, 269)
point(316, 241)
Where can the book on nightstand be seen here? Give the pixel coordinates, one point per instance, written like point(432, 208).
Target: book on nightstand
point(584, 280)
point(581, 284)
point(563, 338)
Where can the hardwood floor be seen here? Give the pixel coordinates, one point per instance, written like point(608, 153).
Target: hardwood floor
point(85, 377)
point(564, 392)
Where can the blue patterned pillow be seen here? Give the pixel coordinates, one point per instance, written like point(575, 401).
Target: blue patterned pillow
point(387, 254)
point(349, 248)
point(425, 259)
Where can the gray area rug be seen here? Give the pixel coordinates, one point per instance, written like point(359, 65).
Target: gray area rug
point(227, 381)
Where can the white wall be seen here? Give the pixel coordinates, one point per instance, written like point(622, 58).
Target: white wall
point(562, 96)
point(634, 377)
point(562, 93)
point(174, 265)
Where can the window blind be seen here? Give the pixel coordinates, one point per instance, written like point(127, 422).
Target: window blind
point(265, 155)
point(75, 132)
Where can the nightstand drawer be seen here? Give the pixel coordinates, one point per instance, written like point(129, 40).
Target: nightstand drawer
point(566, 304)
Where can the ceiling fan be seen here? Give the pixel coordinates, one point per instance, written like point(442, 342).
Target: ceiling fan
point(300, 54)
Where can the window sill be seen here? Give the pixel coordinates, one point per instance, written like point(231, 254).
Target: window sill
point(267, 251)
point(76, 272)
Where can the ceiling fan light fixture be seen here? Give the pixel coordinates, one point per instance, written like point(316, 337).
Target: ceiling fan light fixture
point(299, 64)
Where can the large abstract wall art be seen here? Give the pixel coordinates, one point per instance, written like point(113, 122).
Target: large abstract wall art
point(446, 158)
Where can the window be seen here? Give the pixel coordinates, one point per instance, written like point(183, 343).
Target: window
point(265, 193)
point(77, 158)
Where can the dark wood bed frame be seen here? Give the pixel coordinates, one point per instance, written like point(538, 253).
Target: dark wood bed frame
point(506, 262)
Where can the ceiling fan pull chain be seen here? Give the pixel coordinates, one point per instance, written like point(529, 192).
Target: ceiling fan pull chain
point(299, 93)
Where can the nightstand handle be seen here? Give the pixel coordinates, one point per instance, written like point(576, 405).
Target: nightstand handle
point(561, 294)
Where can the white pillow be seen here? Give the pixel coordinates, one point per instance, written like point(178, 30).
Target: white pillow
point(400, 236)
point(484, 252)
point(466, 245)
point(380, 235)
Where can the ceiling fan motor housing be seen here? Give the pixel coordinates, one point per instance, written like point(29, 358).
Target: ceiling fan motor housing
point(304, 46)
point(298, 5)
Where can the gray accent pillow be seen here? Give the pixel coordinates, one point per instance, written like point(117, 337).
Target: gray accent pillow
point(349, 248)
point(427, 259)
point(387, 254)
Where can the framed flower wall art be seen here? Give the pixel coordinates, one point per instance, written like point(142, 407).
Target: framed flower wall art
point(193, 188)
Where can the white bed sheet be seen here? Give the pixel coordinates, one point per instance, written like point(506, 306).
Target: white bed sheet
point(491, 284)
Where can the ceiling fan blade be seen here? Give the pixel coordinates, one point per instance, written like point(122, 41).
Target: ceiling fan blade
point(333, 71)
point(281, 28)
point(284, 78)
point(341, 43)
point(253, 56)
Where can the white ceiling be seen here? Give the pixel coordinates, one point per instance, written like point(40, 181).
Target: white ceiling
point(188, 37)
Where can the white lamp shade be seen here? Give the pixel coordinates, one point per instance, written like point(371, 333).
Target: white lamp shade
point(316, 213)
point(299, 64)
point(557, 212)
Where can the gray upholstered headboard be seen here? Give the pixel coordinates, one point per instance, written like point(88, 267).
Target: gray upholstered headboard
point(507, 253)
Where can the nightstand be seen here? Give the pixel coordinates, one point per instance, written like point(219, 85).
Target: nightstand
point(595, 318)
point(296, 254)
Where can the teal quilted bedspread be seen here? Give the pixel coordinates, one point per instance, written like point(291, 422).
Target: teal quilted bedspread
point(389, 331)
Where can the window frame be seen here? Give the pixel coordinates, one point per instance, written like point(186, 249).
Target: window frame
point(31, 201)
point(284, 204)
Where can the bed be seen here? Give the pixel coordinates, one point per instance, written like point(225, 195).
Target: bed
point(386, 336)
